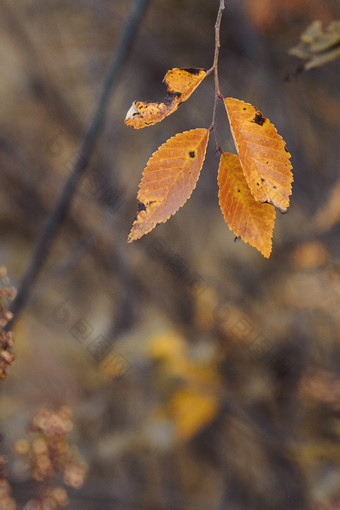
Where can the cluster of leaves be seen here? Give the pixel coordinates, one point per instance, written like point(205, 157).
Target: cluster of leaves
point(318, 46)
point(49, 454)
point(251, 184)
point(6, 337)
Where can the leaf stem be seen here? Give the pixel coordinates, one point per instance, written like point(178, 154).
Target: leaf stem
point(214, 68)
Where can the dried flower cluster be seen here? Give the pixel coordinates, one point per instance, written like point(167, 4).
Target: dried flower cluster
point(48, 455)
point(6, 337)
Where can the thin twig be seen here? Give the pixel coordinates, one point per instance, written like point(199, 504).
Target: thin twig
point(214, 68)
point(87, 145)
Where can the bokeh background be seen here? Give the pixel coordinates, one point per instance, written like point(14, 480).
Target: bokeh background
point(200, 375)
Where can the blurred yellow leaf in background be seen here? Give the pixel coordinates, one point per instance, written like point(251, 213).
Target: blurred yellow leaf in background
point(191, 412)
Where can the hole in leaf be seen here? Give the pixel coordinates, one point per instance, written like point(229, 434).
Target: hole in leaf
point(171, 95)
point(140, 207)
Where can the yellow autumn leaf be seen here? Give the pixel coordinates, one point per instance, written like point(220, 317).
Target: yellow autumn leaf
point(249, 220)
point(262, 153)
point(191, 412)
point(169, 179)
point(180, 83)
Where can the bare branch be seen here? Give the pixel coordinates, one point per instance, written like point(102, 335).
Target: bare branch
point(218, 94)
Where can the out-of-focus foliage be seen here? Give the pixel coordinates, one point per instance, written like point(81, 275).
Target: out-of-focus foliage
point(318, 46)
point(251, 344)
point(270, 15)
point(6, 501)
point(44, 457)
point(195, 403)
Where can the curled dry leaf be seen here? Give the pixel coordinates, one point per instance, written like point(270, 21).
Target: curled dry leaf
point(248, 219)
point(262, 152)
point(169, 179)
point(180, 83)
point(317, 46)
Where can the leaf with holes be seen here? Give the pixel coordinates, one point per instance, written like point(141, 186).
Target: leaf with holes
point(169, 179)
point(180, 83)
point(262, 152)
point(249, 220)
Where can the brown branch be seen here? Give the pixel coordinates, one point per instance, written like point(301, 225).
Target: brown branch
point(214, 68)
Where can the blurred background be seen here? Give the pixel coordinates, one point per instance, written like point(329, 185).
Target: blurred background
point(199, 374)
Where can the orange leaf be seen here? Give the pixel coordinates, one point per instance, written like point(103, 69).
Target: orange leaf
point(169, 179)
point(248, 219)
point(180, 83)
point(183, 82)
point(192, 411)
point(264, 159)
point(143, 113)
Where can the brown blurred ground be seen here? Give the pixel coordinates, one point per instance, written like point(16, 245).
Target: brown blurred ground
point(221, 389)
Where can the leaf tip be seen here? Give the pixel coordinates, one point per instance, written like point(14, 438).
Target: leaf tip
point(266, 253)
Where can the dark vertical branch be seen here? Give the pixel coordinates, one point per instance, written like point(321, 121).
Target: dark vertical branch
point(87, 145)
